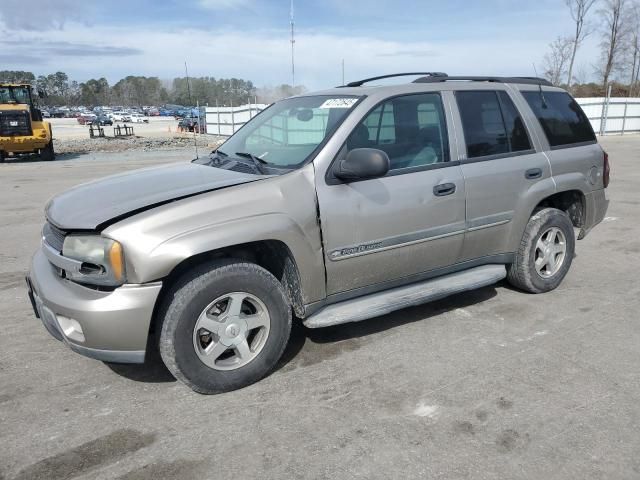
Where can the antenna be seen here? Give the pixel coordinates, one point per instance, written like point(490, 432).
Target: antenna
point(293, 41)
point(195, 140)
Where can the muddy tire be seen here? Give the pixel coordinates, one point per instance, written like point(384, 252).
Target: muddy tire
point(47, 153)
point(225, 325)
point(545, 252)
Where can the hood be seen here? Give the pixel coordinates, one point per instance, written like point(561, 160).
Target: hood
point(94, 205)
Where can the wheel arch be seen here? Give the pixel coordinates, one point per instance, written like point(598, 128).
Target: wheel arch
point(572, 202)
point(272, 255)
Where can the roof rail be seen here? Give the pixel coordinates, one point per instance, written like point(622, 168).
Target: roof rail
point(359, 83)
point(522, 80)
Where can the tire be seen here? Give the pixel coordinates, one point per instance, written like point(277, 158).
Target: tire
point(524, 272)
point(47, 153)
point(194, 294)
point(2, 157)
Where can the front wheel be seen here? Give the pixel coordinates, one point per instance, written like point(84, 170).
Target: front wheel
point(225, 325)
point(545, 252)
point(47, 153)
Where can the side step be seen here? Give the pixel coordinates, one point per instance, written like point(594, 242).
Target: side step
point(394, 299)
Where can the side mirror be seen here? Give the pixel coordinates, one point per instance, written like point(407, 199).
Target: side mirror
point(362, 164)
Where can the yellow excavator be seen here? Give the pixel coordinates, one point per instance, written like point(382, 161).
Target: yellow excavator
point(22, 129)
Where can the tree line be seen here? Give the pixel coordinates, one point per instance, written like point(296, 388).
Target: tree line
point(617, 24)
point(139, 90)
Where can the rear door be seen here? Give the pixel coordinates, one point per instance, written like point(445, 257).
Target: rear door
point(390, 230)
point(501, 165)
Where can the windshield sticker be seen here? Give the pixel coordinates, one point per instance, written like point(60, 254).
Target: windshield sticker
point(339, 103)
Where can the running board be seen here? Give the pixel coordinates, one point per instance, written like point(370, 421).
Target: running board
point(388, 301)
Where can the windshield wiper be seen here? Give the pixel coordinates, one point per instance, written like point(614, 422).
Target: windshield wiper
point(257, 161)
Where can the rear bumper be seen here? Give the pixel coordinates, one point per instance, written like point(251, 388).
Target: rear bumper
point(110, 326)
point(596, 205)
point(25, 144)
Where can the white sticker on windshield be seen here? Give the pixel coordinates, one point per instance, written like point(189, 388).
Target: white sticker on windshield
point(339, 103)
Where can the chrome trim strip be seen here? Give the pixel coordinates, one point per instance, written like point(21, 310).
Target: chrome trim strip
point(487, 225)
point(421, 236)
point(67, 264)
point(397, 242)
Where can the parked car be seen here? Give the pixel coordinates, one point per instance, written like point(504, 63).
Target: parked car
point(137, 118)
point(120, 116)
point(362, 201)
point(188, 124)
point(85, 118)
point(102, 120)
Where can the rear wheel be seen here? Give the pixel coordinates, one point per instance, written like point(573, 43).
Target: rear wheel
point(1, 156)
point(225, 326)
point(47, 153)
point(545, 253)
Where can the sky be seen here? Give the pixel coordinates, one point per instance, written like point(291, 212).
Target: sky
point(250, 38)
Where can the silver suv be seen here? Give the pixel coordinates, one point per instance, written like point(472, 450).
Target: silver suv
point(330, 207)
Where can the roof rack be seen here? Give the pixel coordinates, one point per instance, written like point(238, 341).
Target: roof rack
point(359, 83)
point(522, 80)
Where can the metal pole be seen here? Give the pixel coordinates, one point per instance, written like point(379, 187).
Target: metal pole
point(603, 125)
point(343, 71)
point(624, 116)
point(233, 119)
point(195, 139)
point(218, 111)
point(293, 41)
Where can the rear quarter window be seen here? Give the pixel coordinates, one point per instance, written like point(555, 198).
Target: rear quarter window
point(561, 118)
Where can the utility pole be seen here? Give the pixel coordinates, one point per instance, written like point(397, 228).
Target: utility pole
point(343, 71)
point(293, 41)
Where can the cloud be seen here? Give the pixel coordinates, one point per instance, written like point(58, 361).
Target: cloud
point(38, 15)
point(223, 4)
point(65, 49)
point(409, 53)
point(260, 55)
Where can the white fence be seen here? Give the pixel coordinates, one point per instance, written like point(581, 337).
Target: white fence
point(619, 116)
point(226, 121)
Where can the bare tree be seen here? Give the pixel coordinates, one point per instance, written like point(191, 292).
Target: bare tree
point(557, 59)
point(634, 47)
point(579, 10)
point(615, 30)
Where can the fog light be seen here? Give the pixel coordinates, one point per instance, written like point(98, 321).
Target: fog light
point(71, 328)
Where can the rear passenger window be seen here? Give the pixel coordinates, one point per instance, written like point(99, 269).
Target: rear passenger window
point(410, 129)
point(491, 124)
point(561, 118)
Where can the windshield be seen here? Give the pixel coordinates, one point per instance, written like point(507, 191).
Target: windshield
point(14, 95)
point(287, 133)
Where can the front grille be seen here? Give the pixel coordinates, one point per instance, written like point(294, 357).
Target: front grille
point(53, 236)
point(15, 123)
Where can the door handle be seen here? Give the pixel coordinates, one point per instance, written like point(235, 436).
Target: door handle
point(533, 173)
point(444, 189)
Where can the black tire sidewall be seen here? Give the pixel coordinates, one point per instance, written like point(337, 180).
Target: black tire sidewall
point(192, 298)
point(550, 218)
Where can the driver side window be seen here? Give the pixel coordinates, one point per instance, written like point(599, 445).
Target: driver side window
point(411, 129)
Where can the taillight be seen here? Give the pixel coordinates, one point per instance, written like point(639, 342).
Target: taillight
point(606, 170)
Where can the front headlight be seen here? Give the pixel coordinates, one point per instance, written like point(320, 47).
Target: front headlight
point(102, 260)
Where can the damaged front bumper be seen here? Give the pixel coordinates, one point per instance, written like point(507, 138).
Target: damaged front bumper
point(111, 326)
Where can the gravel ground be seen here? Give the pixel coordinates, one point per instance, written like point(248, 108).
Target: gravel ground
point(110, 144)
point(491, 384)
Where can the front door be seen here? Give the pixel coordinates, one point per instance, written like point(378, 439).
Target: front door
point(382, 232)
